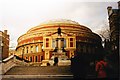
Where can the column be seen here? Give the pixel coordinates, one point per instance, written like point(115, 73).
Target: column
point(50, 42)
point(38, 58)
point(62, 42)
point(34, 48)
point(33, 58)
point(74, 42)
point(24, 50)
point(71, 53)
point(56, 43)
point(59, 44)
point(29, 49)
point(67, 42)
point(46, 55)
point(39, 48)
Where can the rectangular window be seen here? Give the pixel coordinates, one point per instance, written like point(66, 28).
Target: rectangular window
point(23, 51)
point(47, 39)
point(33, 58)
point(31, 49)
point(64, 43)
point(36, 48)
point(71, 42)
point(36, 59)
point(71, 39)
point(47, 42)
point(41, 58)
point(27, 49)
point(53, 43)
point(30, 58)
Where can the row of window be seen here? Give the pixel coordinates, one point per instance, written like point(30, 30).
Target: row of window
point(31, 49)
point(54, 41)
point(34, 58)
point(47, 45)
point(85, 49)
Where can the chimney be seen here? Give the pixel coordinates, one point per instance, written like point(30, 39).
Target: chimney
point(118, 4)
point(109, 8)
point(5, 31)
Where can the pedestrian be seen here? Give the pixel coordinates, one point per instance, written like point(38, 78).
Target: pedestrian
point(79, 67)
point(72, 63)
point(55, 61)
point(101, 69)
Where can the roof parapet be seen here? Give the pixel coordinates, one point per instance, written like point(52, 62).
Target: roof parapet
point(109, 8)
point(118, 4)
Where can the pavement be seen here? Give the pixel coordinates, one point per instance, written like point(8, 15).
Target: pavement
point(32, 77)
point(38, 70)
point(39, 73)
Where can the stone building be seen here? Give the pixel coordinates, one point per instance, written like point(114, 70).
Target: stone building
point(4, 44)
point(114, 24)
point(11, 52)
point(39, 42)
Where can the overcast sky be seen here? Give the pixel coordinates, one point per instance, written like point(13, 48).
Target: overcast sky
point(18, 16)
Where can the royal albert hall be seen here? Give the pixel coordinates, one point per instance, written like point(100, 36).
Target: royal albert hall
point(39, 42)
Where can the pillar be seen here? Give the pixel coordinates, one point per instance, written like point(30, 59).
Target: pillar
point(62, 42)
point(29, 49)
point(67, 42)
point(25, 50)
point(56, 43)
point(70, 54)
point(46, 55)
point(59, 43)
point(34, 48)
point(39, 48)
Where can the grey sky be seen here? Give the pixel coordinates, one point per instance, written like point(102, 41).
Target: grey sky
point(18, 16)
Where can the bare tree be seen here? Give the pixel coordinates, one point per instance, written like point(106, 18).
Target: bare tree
point(104, 32)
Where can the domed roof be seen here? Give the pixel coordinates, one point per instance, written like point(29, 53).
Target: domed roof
point(59, 23)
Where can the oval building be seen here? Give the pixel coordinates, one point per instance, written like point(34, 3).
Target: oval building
point(39, 42)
